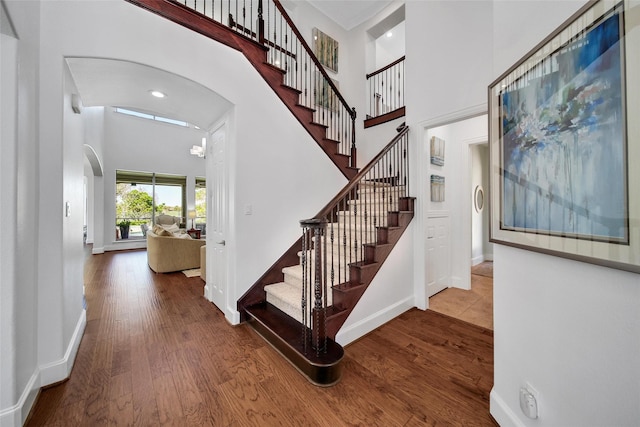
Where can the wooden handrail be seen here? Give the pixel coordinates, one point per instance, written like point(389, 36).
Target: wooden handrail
point(356, 179)
point(315, 60)
point(385, 68)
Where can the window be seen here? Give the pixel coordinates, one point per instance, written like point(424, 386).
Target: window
point(201, 204)
point(141, 196)
point(151, 117)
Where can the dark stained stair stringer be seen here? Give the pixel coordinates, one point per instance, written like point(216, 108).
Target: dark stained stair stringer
point(257, 56)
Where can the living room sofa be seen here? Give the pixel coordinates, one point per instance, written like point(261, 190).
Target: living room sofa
point(170, 253)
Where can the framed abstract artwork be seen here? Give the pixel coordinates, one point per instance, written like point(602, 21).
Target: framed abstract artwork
point(326, 50)
point(437, 188)
point(437, 151)
point(564, 152)
point(325, 96)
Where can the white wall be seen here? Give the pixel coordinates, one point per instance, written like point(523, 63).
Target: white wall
point(93, 118)
point(73, 215)
point(448, 65)
point(19, 177)
point(389, 294)
point(8, 190)
point(569, 329)
point(389, 49)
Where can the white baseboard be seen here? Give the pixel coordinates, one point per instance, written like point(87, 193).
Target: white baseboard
point(232, 316)
point(51, 373)
point(499, 410)
point(97, 251)
point(59, 370)
point(123, 246)
point(16, 415)
point(458, 282)
point(477, 260)
point(488, 257)
point(368, 324)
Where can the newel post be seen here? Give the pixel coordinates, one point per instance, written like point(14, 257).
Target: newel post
point(314, 280)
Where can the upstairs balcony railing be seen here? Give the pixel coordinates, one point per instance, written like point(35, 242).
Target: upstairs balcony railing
point(267, 22)
point(342, 233)
point(386, 89)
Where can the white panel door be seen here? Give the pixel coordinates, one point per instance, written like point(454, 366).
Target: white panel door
point(217, 222)
point(438, 256)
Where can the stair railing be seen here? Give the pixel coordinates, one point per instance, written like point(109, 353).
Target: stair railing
point(339, 235)
point(386, 89)
point(272, 27)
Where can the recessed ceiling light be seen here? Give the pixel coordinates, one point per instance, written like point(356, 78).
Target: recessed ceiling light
point(389, 34)
point(157, 93)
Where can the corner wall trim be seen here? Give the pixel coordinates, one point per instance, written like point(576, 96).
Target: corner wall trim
point(375, 320)
point(59, 370)
point(17, 414)
point(454, 116)
point(501, 412)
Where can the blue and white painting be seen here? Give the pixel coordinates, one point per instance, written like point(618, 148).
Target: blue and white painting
point(563, 141)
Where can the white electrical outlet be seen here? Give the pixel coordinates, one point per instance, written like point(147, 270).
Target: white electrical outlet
point(528, 403)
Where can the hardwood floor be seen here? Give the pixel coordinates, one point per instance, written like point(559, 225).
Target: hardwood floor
point(155, 352)
point(475, 305)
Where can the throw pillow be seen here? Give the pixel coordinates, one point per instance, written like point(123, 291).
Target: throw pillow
point(159, 230)
point(172, 228)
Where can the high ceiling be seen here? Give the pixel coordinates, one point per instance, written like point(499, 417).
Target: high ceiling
point(350, 13)
point(109, 82)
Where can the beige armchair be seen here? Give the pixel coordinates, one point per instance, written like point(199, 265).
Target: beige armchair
point(168, 253)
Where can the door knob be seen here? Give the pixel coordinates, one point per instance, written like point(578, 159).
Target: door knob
point(222, 242)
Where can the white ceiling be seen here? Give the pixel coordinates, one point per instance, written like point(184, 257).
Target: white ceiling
point(109, 82)
point(350, 13)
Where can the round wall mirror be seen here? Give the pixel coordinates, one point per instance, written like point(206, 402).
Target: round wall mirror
point(478, 198)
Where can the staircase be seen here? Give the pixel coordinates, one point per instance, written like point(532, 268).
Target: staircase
point(315, 285)
point(300, 303)
point(275, 48)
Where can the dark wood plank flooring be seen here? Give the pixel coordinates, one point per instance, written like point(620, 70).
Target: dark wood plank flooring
point(155, 352)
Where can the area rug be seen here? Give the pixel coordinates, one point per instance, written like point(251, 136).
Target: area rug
point(483, 269)
point(194, 272)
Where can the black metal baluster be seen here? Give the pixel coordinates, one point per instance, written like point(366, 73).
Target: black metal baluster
point(408, 179)
point(333, 271)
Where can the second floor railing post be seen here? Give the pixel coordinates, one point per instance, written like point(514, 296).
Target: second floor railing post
point(260, 25)
point(353, 139)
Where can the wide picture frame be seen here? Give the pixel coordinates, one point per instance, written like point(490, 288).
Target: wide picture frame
point(564, 141)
